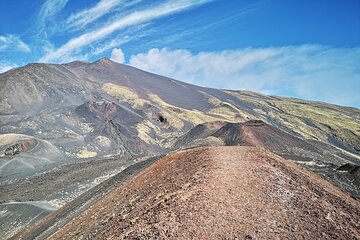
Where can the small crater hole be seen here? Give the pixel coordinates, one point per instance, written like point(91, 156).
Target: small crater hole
point(161, 119)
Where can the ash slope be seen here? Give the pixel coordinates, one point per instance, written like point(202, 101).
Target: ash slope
point(57, 121)
point(223, 192)
point(91, 110)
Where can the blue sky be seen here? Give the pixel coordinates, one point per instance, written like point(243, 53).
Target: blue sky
point(307, 49)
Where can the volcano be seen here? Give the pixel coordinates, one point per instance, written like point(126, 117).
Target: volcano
point(74, 136)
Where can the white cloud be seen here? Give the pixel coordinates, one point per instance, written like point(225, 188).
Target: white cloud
point(134, 33)
point(89, 15)
point(75, 45)
point(117, 55)
point(110, 44)
point(50, 9)
point(46, 22)
point(6, 66)
point(12, 43)
point(307, 71)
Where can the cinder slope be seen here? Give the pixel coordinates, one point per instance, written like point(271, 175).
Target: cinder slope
point(92, 110)
point(225, 192)
point(329, 162)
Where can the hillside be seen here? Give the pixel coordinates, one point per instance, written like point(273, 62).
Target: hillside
point(331, 163)
point(66, 128)
point(101, 108)
point(225, 192)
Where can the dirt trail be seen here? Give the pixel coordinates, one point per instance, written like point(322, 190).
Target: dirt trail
point(220, 193)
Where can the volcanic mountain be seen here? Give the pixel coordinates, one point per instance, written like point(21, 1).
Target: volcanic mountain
point(72, 133)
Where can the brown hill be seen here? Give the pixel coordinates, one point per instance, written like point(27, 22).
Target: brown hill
point(254, 133)
point(258, 133)
point(314, 155)
point(215, 193)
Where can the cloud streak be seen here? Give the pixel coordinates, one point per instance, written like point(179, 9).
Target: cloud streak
point(74, 45)
point(307, 71)
point(129, 35)
point(46, 22)
point(49, 10)
point(84, 17)
point(12, 43)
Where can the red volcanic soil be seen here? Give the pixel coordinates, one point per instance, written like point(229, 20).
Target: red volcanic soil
point(220, 193)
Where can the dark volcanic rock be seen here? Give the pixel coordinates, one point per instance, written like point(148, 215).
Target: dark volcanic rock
point(20, 147)
point(112, 120)
point(350, 168)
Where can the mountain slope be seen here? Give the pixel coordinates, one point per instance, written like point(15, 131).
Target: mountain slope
point(331, 163)
point(224, 192)
point(49, 101)
point(66, 127)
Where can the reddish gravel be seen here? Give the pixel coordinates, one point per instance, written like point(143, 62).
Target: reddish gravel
point(220, 193)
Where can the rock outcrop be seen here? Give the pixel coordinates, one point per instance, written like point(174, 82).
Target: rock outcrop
point(20, 147)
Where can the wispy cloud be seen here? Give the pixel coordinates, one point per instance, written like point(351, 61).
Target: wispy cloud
point(12, 43)
point(46, 21)
point(129, 35)
point(117, 41)
point(307, 71)
point(99, 49)
point(77, 44)
point(50, 9)
point(86, 16)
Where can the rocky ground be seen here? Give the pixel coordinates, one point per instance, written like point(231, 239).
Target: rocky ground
point(220, 193)
point(57, 219)
point(339, 167)
point(64, 128)
point(67, 178)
